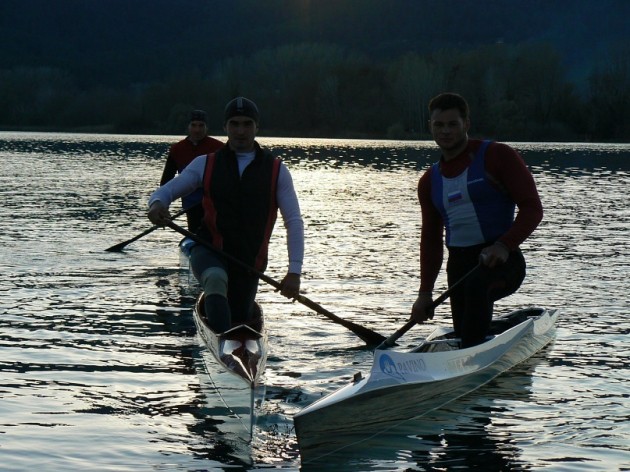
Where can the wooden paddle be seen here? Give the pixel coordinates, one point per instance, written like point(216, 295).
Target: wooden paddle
point(389, 342)
point(370, 337)
point(120, 246)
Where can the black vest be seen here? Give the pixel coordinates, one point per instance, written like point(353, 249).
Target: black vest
point(240, 211)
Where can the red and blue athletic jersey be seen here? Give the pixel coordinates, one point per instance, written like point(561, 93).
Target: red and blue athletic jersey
point(474, 211)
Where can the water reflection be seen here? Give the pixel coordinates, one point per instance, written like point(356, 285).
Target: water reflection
point(100, 364)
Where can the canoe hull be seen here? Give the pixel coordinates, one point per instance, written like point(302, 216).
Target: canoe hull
point(235, 362)
point(404, 385)
point(241, 350)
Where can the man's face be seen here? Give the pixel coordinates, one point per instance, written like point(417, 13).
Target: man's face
point(197, 130)
point(449, 129)
point(241, 132)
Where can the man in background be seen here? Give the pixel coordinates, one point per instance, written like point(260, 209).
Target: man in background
point(182, 153)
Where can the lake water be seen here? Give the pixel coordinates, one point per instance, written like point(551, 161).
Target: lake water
point(100, 366)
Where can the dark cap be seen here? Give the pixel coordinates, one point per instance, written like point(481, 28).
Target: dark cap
point(198, 115)
point(241, 106)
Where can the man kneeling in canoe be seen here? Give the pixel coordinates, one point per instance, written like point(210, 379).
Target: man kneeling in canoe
point(243, 188)
point(472, 192)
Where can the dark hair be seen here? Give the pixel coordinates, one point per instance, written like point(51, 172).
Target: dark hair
point(448, 100)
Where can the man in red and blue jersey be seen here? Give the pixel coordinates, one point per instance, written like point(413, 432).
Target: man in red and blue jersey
point(468, 201)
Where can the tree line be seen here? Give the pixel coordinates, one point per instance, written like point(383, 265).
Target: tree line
point(516, 92)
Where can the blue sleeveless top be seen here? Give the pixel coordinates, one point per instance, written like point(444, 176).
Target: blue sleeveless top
point(473, 210)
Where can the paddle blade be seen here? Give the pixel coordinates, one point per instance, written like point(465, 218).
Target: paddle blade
point(117, 248)
point(368, 336)
point(391, 341)
point(120, 246)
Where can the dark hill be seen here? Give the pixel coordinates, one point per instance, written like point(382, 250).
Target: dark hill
point(117, 42)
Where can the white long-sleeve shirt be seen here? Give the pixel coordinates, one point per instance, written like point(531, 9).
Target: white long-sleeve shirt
point(191, 179)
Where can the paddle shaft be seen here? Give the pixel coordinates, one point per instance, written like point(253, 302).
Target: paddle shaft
point(370, 337)
point(120, 246)
point(389, 342)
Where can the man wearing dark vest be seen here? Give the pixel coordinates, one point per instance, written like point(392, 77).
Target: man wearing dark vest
point(243, 188)
point(470, 195)
point(182, 153)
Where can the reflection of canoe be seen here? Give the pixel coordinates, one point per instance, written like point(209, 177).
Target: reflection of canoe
point(404, 385)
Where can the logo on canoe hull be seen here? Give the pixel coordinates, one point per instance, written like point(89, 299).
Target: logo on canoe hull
point(400, 369)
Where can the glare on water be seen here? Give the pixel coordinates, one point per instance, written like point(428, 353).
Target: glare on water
point(101, 368)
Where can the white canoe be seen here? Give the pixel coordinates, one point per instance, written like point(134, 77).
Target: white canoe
point(235, 362)
point(241, 350)
point(405, 385)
